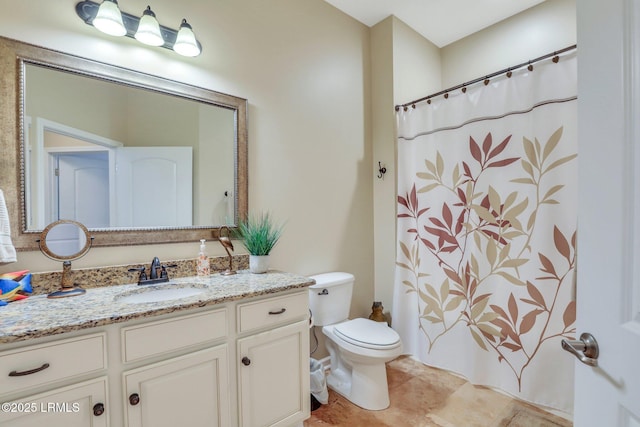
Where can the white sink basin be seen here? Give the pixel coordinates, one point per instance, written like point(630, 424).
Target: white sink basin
point(168, 293)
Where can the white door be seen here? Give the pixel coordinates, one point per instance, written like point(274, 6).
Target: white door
point(82, 190)
point(273, 375)
point(154, 186)
point(78, 405)
point(608, 268)
point(189, 391)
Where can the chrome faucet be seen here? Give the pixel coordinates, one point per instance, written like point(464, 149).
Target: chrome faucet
point(157, 273)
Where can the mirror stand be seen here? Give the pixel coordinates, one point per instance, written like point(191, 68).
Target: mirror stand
point(67, 287)
point(65, 240)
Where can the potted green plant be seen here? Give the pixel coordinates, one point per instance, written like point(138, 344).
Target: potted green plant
point(259, 234)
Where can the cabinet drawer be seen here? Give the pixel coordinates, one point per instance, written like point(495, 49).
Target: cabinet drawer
point(163, 336)
point(68, 406)
point(46, 363)
point(272, 311)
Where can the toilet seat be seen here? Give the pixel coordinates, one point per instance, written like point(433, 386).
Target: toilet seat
point(368, 334)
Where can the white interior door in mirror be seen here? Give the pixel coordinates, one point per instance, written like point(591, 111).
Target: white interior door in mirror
point(154, 186)
point(78, 191)
point(82, 188)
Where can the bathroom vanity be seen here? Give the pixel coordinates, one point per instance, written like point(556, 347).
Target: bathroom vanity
point(218, 351)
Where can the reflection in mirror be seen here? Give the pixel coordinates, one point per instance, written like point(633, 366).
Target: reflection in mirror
point(65, 240)
point(96, 129)
point(136, 158)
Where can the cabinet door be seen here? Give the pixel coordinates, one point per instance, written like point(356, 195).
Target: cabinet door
point(80, 405)
point(190, 390)
point(273, 372)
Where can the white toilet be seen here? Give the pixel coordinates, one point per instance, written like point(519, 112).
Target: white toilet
point(359, 348)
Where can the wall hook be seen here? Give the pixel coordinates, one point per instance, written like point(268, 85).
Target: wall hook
point(382, 171)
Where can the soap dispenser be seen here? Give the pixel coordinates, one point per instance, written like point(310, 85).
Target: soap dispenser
point(203, 268)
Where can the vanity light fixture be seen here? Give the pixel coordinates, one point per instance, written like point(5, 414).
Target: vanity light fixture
point(109, 19)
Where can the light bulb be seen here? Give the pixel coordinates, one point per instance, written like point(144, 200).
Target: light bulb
point(149, 30)
point(186, 43)
point(109, 19)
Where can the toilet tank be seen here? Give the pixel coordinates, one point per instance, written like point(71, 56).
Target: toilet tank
point(330, 297)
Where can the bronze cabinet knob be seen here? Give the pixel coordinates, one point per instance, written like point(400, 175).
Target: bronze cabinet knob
point(246, 361)
point(98, 409)
point(134, 399)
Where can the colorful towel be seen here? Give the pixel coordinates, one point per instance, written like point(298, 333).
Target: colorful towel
point(13, 286)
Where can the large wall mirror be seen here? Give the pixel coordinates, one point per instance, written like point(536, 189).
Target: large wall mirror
point(136, 158)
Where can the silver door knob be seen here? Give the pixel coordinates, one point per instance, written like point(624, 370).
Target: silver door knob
point(586, 349)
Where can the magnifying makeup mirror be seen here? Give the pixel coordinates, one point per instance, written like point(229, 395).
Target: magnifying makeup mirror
point(65, 240)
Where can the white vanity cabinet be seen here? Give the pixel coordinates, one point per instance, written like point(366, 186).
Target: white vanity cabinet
point(78, 405)
point(28, 370)
point(187, 390)
point(237, 363)
point(273, 356)
point(191, 389)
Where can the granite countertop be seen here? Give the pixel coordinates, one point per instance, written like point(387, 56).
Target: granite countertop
point(39, 316)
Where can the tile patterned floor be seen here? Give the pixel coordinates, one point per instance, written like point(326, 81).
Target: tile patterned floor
point(427, 397)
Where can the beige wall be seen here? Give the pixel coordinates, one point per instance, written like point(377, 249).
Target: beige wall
point(304, 67)
point(383, 137)
point(549, 26)
point(417, 66)
point(403, 63)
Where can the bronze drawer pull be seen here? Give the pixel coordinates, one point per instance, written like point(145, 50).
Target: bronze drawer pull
point(279, 311)
point(29, 372)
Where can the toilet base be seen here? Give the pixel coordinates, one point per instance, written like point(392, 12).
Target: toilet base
point(359, 373)
point(365, 386)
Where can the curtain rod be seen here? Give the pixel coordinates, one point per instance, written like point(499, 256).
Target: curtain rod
point(486, 78)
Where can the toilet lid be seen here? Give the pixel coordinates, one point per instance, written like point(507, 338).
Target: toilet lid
point(367, 333)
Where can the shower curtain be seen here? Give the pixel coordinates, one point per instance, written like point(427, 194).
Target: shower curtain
point(486, 226)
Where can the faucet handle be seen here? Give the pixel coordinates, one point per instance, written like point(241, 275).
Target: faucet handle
point(163, 271)
point(143, 274)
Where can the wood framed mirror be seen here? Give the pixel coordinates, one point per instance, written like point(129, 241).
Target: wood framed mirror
point(58, 110)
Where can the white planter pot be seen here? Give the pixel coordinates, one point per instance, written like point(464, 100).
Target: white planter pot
point(258, 263)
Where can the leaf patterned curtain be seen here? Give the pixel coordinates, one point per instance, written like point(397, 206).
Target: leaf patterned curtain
point(486, 226)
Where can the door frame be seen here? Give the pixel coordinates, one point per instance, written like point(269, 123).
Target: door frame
point(39, 174)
